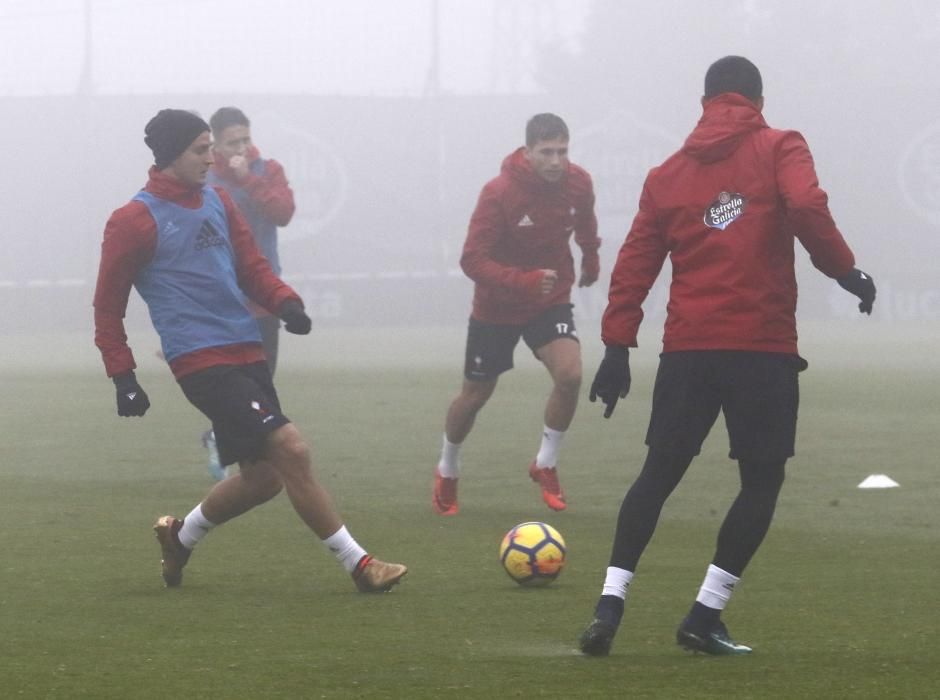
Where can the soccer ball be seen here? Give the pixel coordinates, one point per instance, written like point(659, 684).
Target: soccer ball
point(533, 553)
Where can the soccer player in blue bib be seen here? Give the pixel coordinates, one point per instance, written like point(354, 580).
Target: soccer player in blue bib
point(191, 256)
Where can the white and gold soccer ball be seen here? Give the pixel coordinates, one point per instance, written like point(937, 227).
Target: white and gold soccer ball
point(533, 553)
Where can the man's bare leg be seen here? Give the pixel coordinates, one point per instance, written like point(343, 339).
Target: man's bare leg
point(562, 358)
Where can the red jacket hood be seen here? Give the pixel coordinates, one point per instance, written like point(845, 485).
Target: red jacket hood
point(726, 121)
point(517, 166)
point(166, 186)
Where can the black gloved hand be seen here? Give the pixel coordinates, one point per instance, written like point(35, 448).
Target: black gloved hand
point(612, 381)
point(295, 318)
point(131, 399)
point(862, 286)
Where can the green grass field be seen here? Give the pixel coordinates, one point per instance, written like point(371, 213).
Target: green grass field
point(841, 602)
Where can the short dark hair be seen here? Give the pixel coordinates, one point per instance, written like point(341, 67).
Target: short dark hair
point(733, 74)
point(545, 127)
point(225, 117)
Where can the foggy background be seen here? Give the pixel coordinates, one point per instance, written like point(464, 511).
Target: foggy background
point(390, 116)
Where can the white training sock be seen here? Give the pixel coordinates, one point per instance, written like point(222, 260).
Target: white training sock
point(547, 457)
point(195, 527)
point(449, 466)
point(717, 588)
point(346, 550)
point(617, 582)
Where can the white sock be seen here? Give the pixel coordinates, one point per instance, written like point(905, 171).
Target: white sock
point(717, 588)
point(617, 582)
point(547, 457)
point(195, 527)
point(346, 550)
point(449, 466)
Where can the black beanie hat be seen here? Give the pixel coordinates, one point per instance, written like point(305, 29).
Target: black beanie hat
point(170, 132)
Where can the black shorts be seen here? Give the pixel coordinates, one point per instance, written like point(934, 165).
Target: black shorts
point(242, 404)
point(757, 391)
point(490, 345)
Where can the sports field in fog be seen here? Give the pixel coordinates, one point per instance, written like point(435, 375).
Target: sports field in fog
point(841, 601)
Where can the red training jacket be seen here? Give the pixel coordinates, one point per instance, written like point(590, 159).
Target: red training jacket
point(522, 224)
point(726, 208)
point(270, 190)
point(130, 239)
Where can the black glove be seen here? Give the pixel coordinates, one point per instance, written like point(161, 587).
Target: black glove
point(612, 381)
point(131, 399)
point(295, 319)
point(862, 286)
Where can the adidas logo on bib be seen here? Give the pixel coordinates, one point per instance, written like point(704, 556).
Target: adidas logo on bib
point(208, 237)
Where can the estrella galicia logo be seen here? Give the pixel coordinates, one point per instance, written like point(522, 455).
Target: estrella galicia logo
point(724, 210)
point(208, 236)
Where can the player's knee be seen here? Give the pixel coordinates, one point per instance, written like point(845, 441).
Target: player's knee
point(661, 473)
point(297, 451)
point(568, 380)
point(649, 489)
point(763, 476)
point(475, 395)
point(476, 402)
point(289, 448)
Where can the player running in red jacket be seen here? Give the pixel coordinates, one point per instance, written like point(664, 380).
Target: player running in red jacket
point(192, 258)
point(725, 209)
point(518, 254)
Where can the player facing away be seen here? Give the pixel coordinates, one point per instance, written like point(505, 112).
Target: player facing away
point(518, 254)
point(725, 209)
point(260, 189)
point(192, 258)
